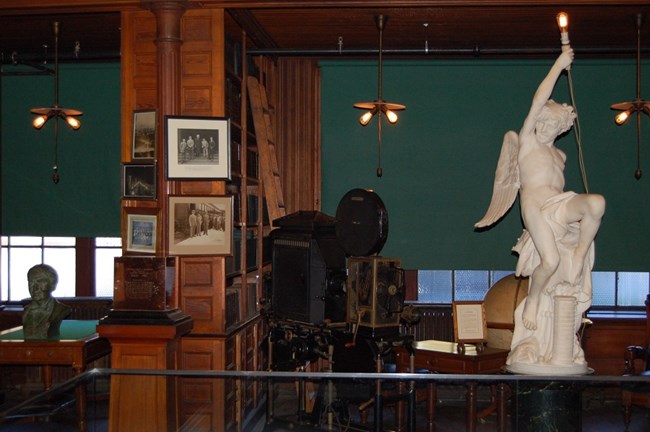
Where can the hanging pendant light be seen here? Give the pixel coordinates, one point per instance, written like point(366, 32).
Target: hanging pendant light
point(638, 105)
point(56, 111)
point(379, 107)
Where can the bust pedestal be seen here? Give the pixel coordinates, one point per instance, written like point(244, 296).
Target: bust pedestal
point(144, 330)
point(138, 402)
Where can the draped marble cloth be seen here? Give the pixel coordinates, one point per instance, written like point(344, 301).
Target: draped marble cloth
point(536, 347)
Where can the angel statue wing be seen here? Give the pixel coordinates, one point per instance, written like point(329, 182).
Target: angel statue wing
point(506, 181)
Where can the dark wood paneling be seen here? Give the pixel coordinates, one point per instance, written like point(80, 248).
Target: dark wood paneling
point(298, 117)
point(606, 339)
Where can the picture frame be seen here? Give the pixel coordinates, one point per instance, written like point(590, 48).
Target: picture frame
point(139, 181)
point(141, 233)
point(470, 325)
point(197, 148)
point(143, 145)
point(214, 235)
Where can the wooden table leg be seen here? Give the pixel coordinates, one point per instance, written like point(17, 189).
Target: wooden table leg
point(493, 404)
point(47, 376)
point(413, 397)
point(400, 414)
point(46, 371)
point(502, 391)
point(80, 392)
point(471, 407)
point(432, 397)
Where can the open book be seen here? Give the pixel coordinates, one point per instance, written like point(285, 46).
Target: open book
point(443, 346)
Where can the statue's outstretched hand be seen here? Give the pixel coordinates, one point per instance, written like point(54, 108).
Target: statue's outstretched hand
point(566, 58)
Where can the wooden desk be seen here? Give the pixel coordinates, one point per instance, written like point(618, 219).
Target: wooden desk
point(489, 361)
point(78, 345)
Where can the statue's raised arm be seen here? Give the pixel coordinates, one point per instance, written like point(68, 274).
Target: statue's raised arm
point(506, 181)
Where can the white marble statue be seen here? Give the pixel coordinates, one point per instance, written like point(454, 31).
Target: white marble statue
point(556, 248)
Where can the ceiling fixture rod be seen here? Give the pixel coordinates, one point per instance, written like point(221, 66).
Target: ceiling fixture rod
point(638, 105)
point(56, 111)
point(379, 107)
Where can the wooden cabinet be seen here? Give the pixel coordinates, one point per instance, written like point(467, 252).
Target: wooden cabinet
point(219, 293)
point(606, 339)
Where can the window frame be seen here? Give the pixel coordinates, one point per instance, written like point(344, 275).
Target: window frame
point(495, 275)
point(85, 265)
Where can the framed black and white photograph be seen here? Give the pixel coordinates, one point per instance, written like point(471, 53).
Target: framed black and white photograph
point(200, 225)
point(197, 148)
point(144, 135)
point(141, 233)
point(139, 181)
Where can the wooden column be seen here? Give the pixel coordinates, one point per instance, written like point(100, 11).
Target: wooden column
point(168, 42)
point(150, 339)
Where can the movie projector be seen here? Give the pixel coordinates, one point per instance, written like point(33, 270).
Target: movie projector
point(311, 284)
point(375, 285)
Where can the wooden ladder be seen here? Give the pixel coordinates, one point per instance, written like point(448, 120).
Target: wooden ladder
point(266, 149)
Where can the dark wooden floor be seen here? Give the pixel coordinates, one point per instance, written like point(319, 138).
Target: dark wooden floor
point(601, 413)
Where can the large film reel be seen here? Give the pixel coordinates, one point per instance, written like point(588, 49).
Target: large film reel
point(361, 223)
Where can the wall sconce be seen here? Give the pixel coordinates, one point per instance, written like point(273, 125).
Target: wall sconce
point(55, 111)
point(379, 107)
point(638, 105)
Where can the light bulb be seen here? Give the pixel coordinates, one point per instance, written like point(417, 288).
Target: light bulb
point(563, 23)
point(39, 121)
point(622, 117)
point(73, 122)
point(391, 116)
point(365, 118)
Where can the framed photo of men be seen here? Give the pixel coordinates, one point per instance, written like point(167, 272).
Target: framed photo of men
point(197, 148)
point(200, 225)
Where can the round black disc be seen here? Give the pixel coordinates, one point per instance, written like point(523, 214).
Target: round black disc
point(361, 223)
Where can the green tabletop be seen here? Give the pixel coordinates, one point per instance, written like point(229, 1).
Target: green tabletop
point(70, 330)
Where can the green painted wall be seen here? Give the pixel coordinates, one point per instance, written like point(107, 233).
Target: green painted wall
point(439, 160)
point(86, 202)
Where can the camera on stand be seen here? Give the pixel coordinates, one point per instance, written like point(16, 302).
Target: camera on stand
point(333, 297)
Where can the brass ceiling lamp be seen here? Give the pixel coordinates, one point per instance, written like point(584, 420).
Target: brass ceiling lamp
point(56, 111)
point(379, 106)
point(638, 105)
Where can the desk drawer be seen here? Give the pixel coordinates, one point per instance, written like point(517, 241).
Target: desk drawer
point(50, 355)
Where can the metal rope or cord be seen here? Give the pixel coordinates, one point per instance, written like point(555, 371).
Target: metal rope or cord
point(578, 134)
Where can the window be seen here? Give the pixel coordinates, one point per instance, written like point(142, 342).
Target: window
point(446, 286)
point(106, 249)
point(620, 289)
point(611, 290)
point(19, 254)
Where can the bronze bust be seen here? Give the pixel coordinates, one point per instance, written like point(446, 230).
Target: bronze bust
point(43, 315)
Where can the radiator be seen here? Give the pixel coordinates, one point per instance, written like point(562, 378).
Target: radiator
point(436, 322)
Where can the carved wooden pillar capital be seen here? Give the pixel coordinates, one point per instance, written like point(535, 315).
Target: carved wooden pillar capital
point(168, 40)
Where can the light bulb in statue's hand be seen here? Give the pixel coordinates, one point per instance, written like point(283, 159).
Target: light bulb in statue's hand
point(563, 23)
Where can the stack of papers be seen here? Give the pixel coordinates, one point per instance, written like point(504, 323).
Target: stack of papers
point(443, 346)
